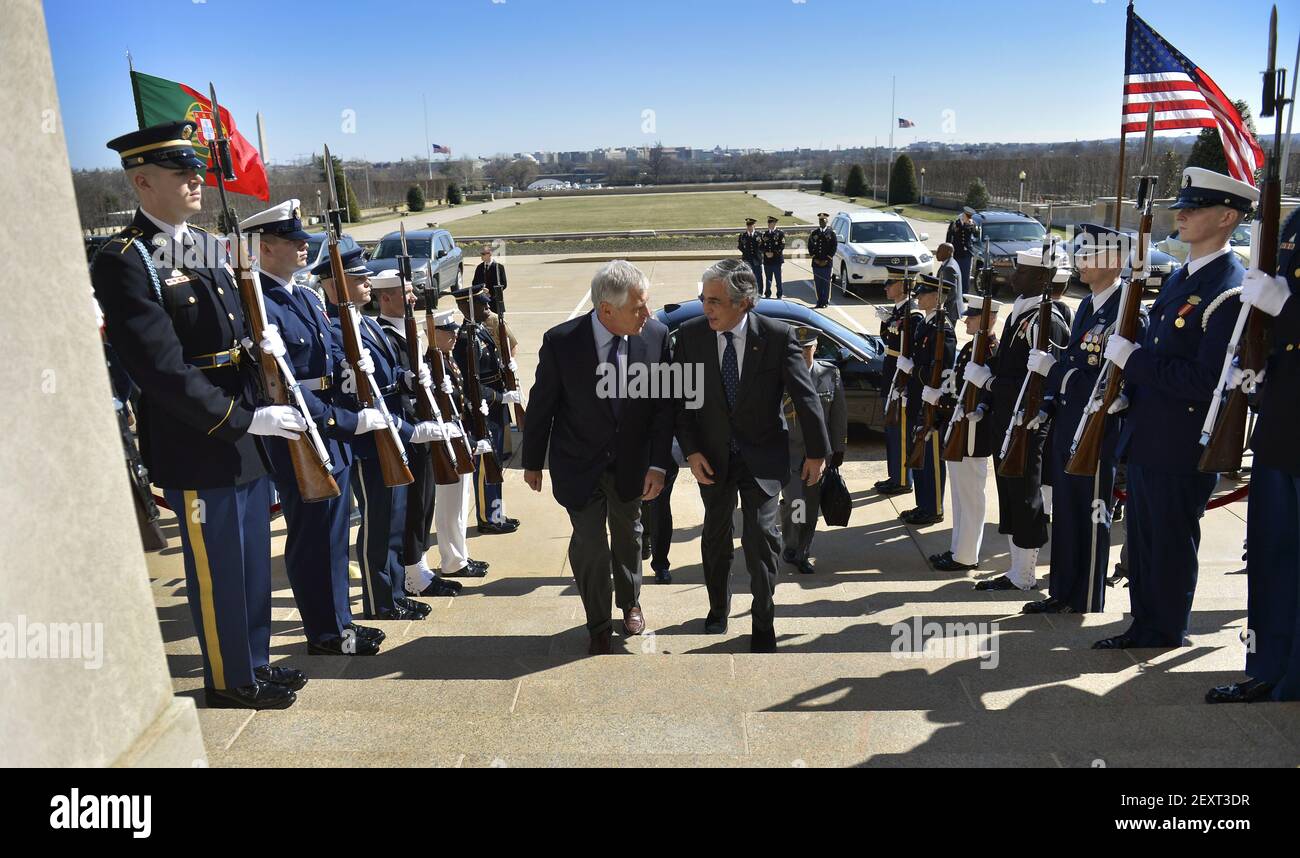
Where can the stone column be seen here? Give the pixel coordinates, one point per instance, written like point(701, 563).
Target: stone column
point(83, 680)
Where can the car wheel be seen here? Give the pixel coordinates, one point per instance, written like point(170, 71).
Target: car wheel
point(844, 280)
point(460, 273)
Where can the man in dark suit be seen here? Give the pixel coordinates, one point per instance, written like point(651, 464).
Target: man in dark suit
point(609, 434)
point(735, 438)
point(489, 272)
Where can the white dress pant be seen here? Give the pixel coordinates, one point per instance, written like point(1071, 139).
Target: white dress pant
point(966, 484)
point(451, 506)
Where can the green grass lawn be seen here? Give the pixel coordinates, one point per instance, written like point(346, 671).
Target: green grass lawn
point(643, 211)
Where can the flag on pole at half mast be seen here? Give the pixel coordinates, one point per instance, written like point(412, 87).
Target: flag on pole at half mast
point(160, 100)
point(905, 123)
point(439, 149)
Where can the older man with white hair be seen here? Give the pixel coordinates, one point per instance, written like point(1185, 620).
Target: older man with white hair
point(609, 436)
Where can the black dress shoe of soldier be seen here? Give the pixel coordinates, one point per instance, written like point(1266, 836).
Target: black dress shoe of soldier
point(259, 695)
point(290, 678)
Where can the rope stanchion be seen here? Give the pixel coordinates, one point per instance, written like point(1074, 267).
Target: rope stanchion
point(1231, 497)
point(162, 504)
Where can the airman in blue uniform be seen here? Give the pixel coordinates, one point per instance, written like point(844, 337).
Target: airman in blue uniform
point(893, 319)
point(931, 477)
point(1170, 377)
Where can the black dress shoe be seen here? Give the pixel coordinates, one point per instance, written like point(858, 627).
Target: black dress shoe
point(715, 627)
point(419, 609)
point(881, 484)
point(441, 587)
point(1002, 582)
point(893, 489)
point(259, 695)
point(923, 519)
point(481, 564)
point(663, 576)
point(1049, 605)
point(788, 555)
point(763, 642)
point(513, 522)
point(600, 643)
point(805, 566)
point(290, 678)
point(647, 550)
point(908, 513)
point(1249, 691)
point(1117, 642)
point(367, 632)
point(939, 558)
point(948, 564)
point(397, 613)
point(491, 529)
point(355, 645)
point(469, 570)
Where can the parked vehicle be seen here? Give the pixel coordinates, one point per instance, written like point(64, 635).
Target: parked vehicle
point(870, 242)
point(1239, 241)
point(423, 245)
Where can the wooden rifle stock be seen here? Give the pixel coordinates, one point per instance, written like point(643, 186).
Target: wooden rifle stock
point(1013, 463)
point(503, 346)
point(916, 458)
point(898, 387)
point(426, 409)
point(460, 446)
point(958, 438)
point(474, 399)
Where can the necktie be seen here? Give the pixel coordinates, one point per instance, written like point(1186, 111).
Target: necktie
point(617, 402)
point(730, 378)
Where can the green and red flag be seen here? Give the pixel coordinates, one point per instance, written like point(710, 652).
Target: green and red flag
point(160, 100)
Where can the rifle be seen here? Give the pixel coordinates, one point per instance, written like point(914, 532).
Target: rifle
point(310, 457)
point(503, 346)
point(1224, 432)
point(388, 443)
point(1015, 444)
point(426, 407)
point(897, 397)
point(1091, 432)
point(474, 395)
point(957, 438)
point(439, 370)
point(929, 414)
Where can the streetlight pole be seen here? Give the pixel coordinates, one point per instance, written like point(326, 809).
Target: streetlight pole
point(1022, 191)
point(922, 186)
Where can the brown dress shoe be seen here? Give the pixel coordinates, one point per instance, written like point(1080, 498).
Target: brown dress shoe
point(600, 643)
point(633, 621)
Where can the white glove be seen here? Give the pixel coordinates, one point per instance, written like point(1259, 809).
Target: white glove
point(511, 397)
point(975, 416)
point(1237, 378)
point(370, 420)
point(426, 432)
point(452, 430)
point(366, 364)
point(424, 377)
point(1119, 350)
point(930, 395)
point(1039, 419)
point(483, 446)
point(483, 407)
point(977, 374)
point(447, 386)
point(1041, 362)
point(905, 365)
point(1120, 404)
point(1265, 292)
point(282, 421)
point(884, 312)
point(272, 344)
point(514, 367)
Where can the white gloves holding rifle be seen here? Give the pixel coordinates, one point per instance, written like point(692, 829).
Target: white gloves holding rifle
point(511, 397)
point(1120, 404)
point(975, 416)
point(930, 395)
point(1119, 350)
point(426, 432)
point(905, 365)
point(282, 421)
point(271, 343)
point(1039, 419)
point(370, 420)
point(482, 447)
point(424, 378)
point(1041, 362)
point(1265, 292)
point(977, 374)
point(366, 364)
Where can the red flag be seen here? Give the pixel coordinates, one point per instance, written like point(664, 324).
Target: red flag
point(160, 100)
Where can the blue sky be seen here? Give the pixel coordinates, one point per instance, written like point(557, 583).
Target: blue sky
point(524, 75)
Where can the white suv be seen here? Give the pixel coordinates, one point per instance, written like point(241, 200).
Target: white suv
point(870, 242)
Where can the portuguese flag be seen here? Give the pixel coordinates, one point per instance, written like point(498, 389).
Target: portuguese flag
point(160, 100)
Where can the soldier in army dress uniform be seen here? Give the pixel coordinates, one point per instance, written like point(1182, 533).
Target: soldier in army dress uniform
point(894, 318)
point(773, 244)
point(821, 251)
point(801, 503)
point(750, 245)
point(929, 480)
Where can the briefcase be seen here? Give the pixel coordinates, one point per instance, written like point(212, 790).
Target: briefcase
point(837, 503)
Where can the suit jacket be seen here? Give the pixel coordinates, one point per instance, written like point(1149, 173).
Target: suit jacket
point(568, 417)
point(1171, 379)
point(490, 275)
point(1279, 408)
point(193, 422)
point(773, 366)
point(953, 302)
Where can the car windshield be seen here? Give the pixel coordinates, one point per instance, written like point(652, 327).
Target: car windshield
point(1240, 236)
point(876, 231)
point(391, 247)
point(1017, 231)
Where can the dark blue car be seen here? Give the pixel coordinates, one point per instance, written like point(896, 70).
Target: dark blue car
point(860, 357)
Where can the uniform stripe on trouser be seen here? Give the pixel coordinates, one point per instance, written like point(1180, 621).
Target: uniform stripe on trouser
point(1090, 600)
point(363, 541)
point(903, 437)
point(203, 574)
point(937, 468)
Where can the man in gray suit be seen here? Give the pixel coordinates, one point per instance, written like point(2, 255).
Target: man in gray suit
point(735, 440)
point(609, 438)
point(800, 504)
point(954, 306)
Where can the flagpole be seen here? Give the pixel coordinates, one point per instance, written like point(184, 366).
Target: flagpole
point(261, 138)
point(893, 120)
point(428, 155)
point(135, 95)
point(1286, 147)
point(1119, 178)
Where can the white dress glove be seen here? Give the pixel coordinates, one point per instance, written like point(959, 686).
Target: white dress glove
point(483, 407)
point(511, 397)
point(514, 367)
point(1120, 404)
point(1119, 350)
point(930, 395)
point(1237, 377)
point(282, 421)
point(1039, 419)
point(483, 446)
point(426, 432)
point(1041, 362)
point(1267, 293)
point(905, 365)
point(370, 420)
point(975, 416)
point(884, 312)
point(977, 374)
point(367, 363)
point(424, 380)
point(452, 430)
point(272, 344)
point(447, 386)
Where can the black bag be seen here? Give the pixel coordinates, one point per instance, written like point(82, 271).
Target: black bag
point(837, 503)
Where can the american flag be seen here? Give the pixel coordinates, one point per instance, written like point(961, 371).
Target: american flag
point(1155, 73)
point(439, 149)
point(905, 123)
